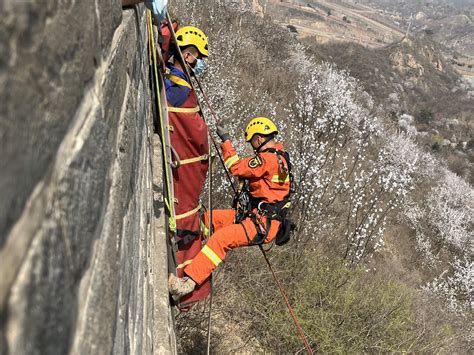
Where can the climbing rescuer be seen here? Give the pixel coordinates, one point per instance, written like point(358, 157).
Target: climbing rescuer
point(189, 141)
point(260, 210)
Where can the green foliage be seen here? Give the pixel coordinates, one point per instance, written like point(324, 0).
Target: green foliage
point(437, 138)
point(343, 311)
point(437, 142)
point(424, 116)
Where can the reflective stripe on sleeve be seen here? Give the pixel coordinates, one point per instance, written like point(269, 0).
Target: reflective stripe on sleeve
point(231, 161)
point(211, 255)
point(280, 180)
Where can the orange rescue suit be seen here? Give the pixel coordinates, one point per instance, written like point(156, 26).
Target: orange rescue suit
point(268, 182)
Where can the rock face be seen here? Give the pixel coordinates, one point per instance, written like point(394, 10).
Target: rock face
point(82, 249)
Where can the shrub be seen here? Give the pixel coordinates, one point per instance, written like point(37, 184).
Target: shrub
point(470, 144)
point(436, 147)
point(456, 287)
point(393, 116)
point(424, 116)
point(437, 142)
point(343, 310)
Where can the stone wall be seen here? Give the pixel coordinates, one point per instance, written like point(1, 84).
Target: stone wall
point(82, 252)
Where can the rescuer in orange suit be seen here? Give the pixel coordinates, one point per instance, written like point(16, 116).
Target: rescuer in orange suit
point(267, 174)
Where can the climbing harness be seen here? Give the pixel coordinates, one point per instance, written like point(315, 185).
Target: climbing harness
point(241, 202)
point(280, 209)
point(255, 209)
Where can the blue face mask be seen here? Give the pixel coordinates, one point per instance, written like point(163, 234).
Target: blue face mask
point(199, 67)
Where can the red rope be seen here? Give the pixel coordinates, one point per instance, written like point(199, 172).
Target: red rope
point(292, 313)
point(293, 316)
point(207, 101)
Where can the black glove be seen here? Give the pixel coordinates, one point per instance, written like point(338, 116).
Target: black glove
point(222, 133)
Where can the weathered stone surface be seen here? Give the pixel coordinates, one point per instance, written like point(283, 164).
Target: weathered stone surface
point(50, 51)
point(82, 250)
point(160, 274)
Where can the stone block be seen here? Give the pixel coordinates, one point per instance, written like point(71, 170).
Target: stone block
point(52, 50)
point(110, 15)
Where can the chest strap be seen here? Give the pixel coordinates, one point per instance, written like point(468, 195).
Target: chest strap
point(177, 80)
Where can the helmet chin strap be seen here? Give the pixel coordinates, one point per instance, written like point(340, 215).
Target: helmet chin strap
point(269, 138)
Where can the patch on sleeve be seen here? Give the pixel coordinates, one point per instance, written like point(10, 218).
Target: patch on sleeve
point(255, 162)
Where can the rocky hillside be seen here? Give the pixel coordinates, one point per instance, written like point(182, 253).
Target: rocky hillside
point(415, 76)
point(449, 22)
point(413, 69)
point(330, 21)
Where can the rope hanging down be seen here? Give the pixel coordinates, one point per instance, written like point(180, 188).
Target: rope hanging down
point(287, 302)
point(212, 280)
point(168, 200)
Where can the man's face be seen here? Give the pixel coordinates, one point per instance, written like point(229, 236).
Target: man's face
point(255, 141)
point(191, 55)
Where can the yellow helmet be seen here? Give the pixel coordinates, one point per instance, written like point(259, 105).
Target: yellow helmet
point(260, 125)
point(190, 35)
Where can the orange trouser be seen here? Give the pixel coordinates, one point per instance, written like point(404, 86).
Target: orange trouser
point(227, 236)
